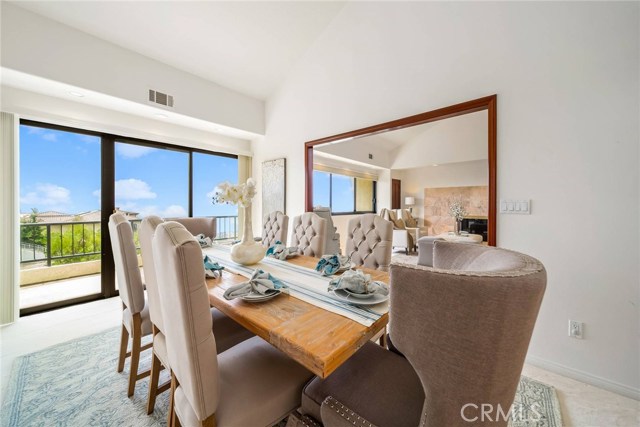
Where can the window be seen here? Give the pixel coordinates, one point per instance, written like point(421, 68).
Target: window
point(344, 194)
point(151, 181)
point(70, 179)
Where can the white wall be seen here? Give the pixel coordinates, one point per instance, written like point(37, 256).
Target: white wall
point(34, 106)
point(415, 180)
point(457, 139)
point(42, 47)
point(566, 75)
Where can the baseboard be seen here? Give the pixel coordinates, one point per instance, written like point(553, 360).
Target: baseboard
point(576, 374)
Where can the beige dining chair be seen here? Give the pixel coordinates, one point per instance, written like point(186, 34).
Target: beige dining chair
point(250, 384)
point(308, 233)
point(460, 331)
point(228, 332)
point(198, 225)
point(136, 321)
point(369, 239)
point(274, 228)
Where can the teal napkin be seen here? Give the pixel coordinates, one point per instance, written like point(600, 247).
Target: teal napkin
point(212, 269)
point(330, 264)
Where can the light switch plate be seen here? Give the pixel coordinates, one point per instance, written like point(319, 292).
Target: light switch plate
point(512, 206)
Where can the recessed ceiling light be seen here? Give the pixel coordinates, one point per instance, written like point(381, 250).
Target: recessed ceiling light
point(161, 116)
point(435, 164)
point(75, 93)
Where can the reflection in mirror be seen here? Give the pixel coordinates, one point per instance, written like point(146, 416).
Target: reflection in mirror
point(419, 172)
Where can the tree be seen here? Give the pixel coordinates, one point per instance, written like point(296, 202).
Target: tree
point(32, 234)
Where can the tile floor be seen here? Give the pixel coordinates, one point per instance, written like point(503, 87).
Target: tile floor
point(582, 405)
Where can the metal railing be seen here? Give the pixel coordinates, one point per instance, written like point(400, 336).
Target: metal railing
point(68, 242)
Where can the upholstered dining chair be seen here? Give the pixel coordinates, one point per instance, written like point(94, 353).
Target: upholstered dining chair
point(460, 333)
point(135, 311)
point(332, 237)
point(250, 384)
point(274, 228)
point(369, 241)
point(228, 333)
point(308, 233)
point(198, 225)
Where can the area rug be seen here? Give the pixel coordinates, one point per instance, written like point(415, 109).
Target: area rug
point(76, 384)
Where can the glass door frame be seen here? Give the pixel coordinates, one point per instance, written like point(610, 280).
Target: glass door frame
point(107, 203)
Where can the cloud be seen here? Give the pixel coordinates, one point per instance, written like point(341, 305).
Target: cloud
point(44, 133)
point(49, 195)
point(130, 151)
point(132, 189)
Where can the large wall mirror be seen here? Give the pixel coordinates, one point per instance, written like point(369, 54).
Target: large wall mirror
point(423, 163)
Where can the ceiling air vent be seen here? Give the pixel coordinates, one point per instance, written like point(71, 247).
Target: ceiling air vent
point(160, 98)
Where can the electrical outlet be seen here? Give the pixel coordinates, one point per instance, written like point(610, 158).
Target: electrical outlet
point(575, 329)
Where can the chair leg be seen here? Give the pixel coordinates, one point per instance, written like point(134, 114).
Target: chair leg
point(135, 353)
point(210, 421)
point(153, 383)
point(124, 341)
point(172, 420)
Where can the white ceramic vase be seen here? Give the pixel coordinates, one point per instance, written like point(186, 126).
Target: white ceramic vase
point(248, 251)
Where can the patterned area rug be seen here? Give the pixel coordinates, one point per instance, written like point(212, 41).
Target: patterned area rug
point(76, 384)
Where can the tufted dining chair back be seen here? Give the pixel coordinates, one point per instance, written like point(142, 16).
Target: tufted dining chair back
point(369, 241)
point(308, 234)
point(274, 228)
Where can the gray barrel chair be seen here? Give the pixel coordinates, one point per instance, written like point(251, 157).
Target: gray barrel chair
point(460, 331)
point(308, 233)
point(274, 228)
point(369, 241)
point(228, 332)
point(136, 321)
point(250, 384)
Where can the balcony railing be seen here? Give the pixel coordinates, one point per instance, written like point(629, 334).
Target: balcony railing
point(57, 243)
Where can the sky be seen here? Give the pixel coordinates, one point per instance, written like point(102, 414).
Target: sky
point(60, 171)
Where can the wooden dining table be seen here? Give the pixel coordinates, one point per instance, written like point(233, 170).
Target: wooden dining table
point(316, 338)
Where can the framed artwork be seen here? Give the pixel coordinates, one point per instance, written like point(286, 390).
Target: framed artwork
point(273, 186)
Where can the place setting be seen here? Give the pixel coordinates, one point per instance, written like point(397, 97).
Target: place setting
point(262, 286)
point(356, 287)
point(281, 252)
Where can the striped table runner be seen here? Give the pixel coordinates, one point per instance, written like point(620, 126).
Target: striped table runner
point(304, 283)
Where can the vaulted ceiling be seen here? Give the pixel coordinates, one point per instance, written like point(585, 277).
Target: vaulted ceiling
point(246, 46)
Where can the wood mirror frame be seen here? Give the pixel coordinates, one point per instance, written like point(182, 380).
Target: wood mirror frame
point(487, 103)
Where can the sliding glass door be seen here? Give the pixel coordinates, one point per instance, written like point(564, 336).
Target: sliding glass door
point(71, 180)
point(60, 230)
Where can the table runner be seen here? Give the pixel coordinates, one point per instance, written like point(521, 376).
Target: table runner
point(304, 283)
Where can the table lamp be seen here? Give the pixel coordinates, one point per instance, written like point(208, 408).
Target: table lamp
point(410, 201)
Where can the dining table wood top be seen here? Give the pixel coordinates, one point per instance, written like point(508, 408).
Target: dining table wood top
point(316, 338)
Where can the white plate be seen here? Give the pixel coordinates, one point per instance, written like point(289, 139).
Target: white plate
point(356, 295)
point(372, 300)
point(259, 297)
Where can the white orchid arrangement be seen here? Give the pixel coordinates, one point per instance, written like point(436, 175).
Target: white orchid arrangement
point(236, 194)
point(457, 210)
